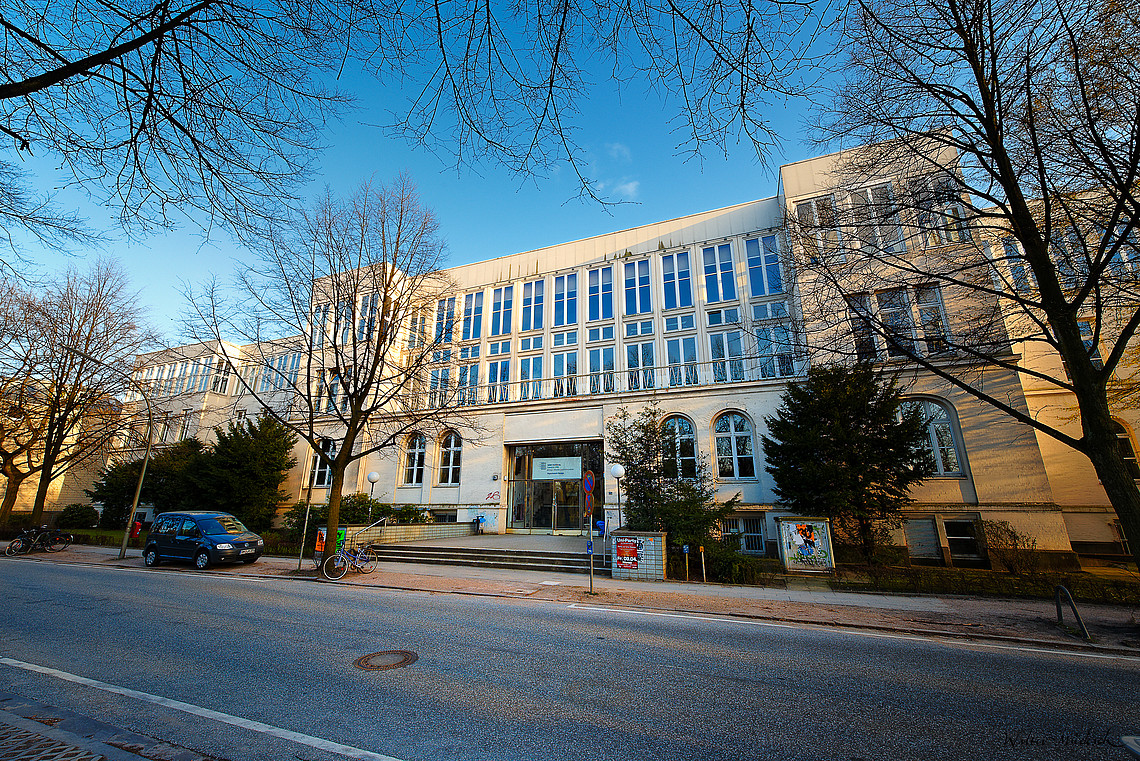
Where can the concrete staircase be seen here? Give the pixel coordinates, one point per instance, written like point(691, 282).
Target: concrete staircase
point(488, 557)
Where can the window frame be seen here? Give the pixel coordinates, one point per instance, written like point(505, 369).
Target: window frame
point(450, 457)
point(733, 437)
point(415, 456)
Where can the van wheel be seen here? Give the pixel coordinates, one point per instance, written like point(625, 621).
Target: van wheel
point(150, 557)
point(202, 560)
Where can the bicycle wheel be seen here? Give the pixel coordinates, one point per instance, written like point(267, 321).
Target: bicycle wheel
point(366, 560)
point(334, 567)
point(15, 547)
point(59, 542)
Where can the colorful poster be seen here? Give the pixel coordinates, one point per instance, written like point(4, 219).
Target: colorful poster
point(805, 544)
point(627, 552)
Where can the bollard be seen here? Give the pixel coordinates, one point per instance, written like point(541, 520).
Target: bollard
point(704, 576)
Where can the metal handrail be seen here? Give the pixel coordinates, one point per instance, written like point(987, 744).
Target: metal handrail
point(1076, 614)
point(383, 520)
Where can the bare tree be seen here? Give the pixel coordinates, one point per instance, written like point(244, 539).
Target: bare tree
point(174, 107)
point(61, 406)
point(1001, 178)
point(335, 327)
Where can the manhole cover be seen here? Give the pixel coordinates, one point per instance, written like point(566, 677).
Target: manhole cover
point(386, 659)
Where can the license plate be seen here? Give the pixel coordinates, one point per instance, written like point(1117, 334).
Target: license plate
point(246, 552)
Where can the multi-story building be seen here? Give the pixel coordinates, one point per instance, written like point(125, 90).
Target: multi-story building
point(707, 316)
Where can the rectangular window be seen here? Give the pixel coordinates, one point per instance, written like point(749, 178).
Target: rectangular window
point(320, 324)
point(367, 323)
point(320, 473)
point(532, 305)
point(764, 277)
point(637, 288)
point(876, 226)
point(468, 384)
point(817, 228)
point(566, 374)
point(417, 330)
point(498, 347)
point(602, 370)
point(720, 279)
point(602, 293)
point(469, 352)
point(678, 285)
point(724, 316)
point(565, 300)
point(601, 334)
point(775, 340)
point(642, 328)
point(184, 426)
point(502, 302)
point(727, 352)
point(940, 215)
point(1018, 275)
point(498, 381)
point(530, 377)
point(895, 317)
point(681, 354)
point(681, 322)
point(221, 377)
point(859, 307)
point(932, 318)
point(569, 338)
point(444, 320)
point(531, 342)
point(473, 316)
point(440, 389)
point(639, 364)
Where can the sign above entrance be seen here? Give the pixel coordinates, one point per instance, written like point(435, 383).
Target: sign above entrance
point(556, 468)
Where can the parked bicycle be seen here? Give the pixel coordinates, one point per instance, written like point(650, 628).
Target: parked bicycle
point(43, 538)
point(335, 566)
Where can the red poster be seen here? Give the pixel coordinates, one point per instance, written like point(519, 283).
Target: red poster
point(626, 552)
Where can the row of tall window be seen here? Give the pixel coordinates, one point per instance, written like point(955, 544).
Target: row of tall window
point(869, 219)
point(540, 308)
point(187, 376)
point(899, 322)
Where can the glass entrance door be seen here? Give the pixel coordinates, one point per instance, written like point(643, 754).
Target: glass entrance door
point(551, 500)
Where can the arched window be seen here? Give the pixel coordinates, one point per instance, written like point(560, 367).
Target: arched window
point(449, 454)
point(414, 459)
point(680, 447)
point(734, 457)
point(1127, 450)
point(941, 442)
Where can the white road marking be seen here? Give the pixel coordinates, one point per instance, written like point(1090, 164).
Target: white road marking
point(857, 633)
point(206, 713)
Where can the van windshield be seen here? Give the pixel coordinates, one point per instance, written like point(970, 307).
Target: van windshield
point(223, 524)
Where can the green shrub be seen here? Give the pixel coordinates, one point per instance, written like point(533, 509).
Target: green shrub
point(724, 565)
point(78, 515)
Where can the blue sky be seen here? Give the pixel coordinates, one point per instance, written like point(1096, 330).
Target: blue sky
point(628, 144)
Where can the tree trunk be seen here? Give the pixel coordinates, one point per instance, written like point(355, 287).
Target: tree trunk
point(11, 494)
point(1118, 483)
point(42, 489)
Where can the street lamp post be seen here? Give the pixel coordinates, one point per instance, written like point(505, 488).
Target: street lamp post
point(373, 477)
point(618, 472)
point(149, 442)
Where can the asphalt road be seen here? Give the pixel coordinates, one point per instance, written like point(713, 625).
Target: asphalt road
point(263, 669)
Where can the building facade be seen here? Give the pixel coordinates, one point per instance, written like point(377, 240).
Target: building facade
point(709, 316)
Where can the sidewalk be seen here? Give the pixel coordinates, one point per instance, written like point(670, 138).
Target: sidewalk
point(805, 601)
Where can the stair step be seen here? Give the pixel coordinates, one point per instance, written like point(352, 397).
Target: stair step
point(532, 560)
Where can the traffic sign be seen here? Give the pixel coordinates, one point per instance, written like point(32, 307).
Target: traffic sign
point(589, 547)
point(588, 482)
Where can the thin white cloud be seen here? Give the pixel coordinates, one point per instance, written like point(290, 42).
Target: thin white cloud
point(627, 190)
point(619, 151)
